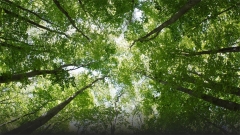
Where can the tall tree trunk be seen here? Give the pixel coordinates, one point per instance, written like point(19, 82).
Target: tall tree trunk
point(33, 112)
point(213, 100)
point(31, 126)
point(211, 84)
point(233, 106)
point(21, 76)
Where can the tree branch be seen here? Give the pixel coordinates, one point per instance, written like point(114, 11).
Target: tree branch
point(20, 76)
point(233, 106)
point(20, 48)
point(170, 21)
point(33, 23)
point(24, 9)
point(214, 16)
point(69, 18)
point(222, 50)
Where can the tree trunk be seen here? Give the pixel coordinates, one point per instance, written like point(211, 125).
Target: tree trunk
point(213, 100)
point(174, 18)
point(31, 126)
point(16, 119)
point(212, 85)
point(21, 76)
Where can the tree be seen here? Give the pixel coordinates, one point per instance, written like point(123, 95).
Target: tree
point(172, 59)
point(196, 58)
point(31, 126)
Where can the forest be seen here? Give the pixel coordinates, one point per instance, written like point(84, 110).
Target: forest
point(110, 67)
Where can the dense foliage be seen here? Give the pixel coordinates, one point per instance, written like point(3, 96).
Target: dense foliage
point(119, 66)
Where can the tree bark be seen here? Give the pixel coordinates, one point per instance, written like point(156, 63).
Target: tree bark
point(31, 126)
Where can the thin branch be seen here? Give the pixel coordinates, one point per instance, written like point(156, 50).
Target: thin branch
point(24, 9)
point(69, 18)
point(211, 84)
point(81, 4)
point(88, 14)
point(216, 15)
point(170, 21)
point(5, 44)
point(222, 50)
point(33, 23)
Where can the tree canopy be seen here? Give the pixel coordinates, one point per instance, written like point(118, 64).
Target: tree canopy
point(119, 66)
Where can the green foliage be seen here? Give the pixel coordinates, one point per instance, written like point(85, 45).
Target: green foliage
point(181, 79)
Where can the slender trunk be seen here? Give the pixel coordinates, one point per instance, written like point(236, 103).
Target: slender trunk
point(112, 129)
point(170, 21)
point(31, 126)
point(208, 121)
point(233, 106)
point(216, 126)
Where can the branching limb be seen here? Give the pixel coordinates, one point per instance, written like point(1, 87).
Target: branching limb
point(170, 21)
point(29, 11)
point(33, 23)
point(69, 18)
